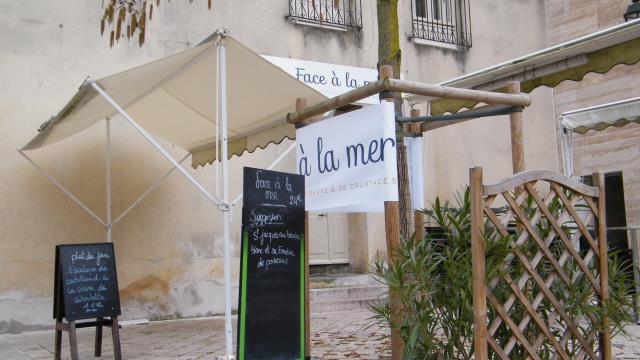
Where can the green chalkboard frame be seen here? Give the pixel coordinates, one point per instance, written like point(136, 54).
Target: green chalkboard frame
point(296, 214)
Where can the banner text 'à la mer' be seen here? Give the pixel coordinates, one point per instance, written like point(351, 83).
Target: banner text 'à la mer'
point(356, 154)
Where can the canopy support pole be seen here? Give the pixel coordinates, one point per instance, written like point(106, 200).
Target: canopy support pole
point(226, 208)
point(62, 188)
point(109, 224)
point(146, 193)
point(567, 149)
point(155, 144)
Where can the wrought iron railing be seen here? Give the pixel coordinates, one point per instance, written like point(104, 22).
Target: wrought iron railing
point(332, 13)
point(446, 21)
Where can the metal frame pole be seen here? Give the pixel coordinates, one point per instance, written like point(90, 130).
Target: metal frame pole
point(226, 209)
point(146, 193)
point(62, 188)
point(154, 143)
point(566, 136)
point(109, 224)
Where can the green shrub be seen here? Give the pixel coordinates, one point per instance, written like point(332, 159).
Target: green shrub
point(432, 280)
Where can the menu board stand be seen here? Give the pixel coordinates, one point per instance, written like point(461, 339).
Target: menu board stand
point(272, 298)
point(86, 287)
point(71, 327)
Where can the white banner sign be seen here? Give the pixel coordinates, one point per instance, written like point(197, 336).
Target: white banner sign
point(330, 80)
point(349, 161)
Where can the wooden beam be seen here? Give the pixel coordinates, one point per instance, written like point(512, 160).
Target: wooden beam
point(416, 88)
point(603, 258)
point(438, 91)
point(517, 142)
point(338, 101)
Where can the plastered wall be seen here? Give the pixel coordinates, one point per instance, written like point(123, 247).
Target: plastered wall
point(169, 249)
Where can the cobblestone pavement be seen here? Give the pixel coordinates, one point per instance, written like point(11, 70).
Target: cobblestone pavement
point(336, 335)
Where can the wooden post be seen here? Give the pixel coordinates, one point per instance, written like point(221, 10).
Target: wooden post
point(515, 120)
point(115, 334)
point(71, 327)
point(301, 103)
point(404, 196)
point(605, 336)
point(98, 344)
point(73, 340)
point(478, 265)
point(418, 217)
point(58, 342)
point(392, 232)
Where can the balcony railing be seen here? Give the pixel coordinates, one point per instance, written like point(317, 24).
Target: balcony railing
point(445, 21)
point(340, 14)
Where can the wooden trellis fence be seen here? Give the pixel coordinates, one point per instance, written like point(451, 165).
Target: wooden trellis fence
point(528, 295)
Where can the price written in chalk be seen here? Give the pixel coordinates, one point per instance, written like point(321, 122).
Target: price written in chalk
point(271, 263)
point(89, 283)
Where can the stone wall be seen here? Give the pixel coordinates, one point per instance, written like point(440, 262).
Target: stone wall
point(615, 149)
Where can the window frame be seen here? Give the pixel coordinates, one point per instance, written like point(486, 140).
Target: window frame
point(325, 14)
point(448, 26)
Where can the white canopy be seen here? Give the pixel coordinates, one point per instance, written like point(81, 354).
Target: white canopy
point(602, 116)
point(175, 98)
point(219, 91)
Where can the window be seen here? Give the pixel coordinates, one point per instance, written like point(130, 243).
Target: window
point(336, 14)
point(444, 21)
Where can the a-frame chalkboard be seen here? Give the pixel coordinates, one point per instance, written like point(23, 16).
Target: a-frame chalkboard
point(272, 298)
point(86, 287)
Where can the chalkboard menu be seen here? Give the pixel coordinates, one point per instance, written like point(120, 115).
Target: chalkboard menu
point(86, 285)
point(271, 304)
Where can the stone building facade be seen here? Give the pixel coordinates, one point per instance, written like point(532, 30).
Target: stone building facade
point(614, 149)
point(169, 248)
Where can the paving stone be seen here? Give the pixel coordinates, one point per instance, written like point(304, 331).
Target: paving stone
point(335, 335)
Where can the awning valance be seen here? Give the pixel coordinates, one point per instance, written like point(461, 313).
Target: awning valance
point(602, 116)
point(175, 99)
point(597, 52)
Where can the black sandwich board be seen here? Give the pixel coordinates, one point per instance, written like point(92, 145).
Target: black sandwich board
point(86, 287)
point(272, 298)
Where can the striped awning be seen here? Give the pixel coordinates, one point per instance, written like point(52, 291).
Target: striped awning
point(594, 53)
point(603, 116)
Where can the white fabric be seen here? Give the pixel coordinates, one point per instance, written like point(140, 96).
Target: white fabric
point(175, 98)
point(602, 116)
point(415, 151)
point(349, 161)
